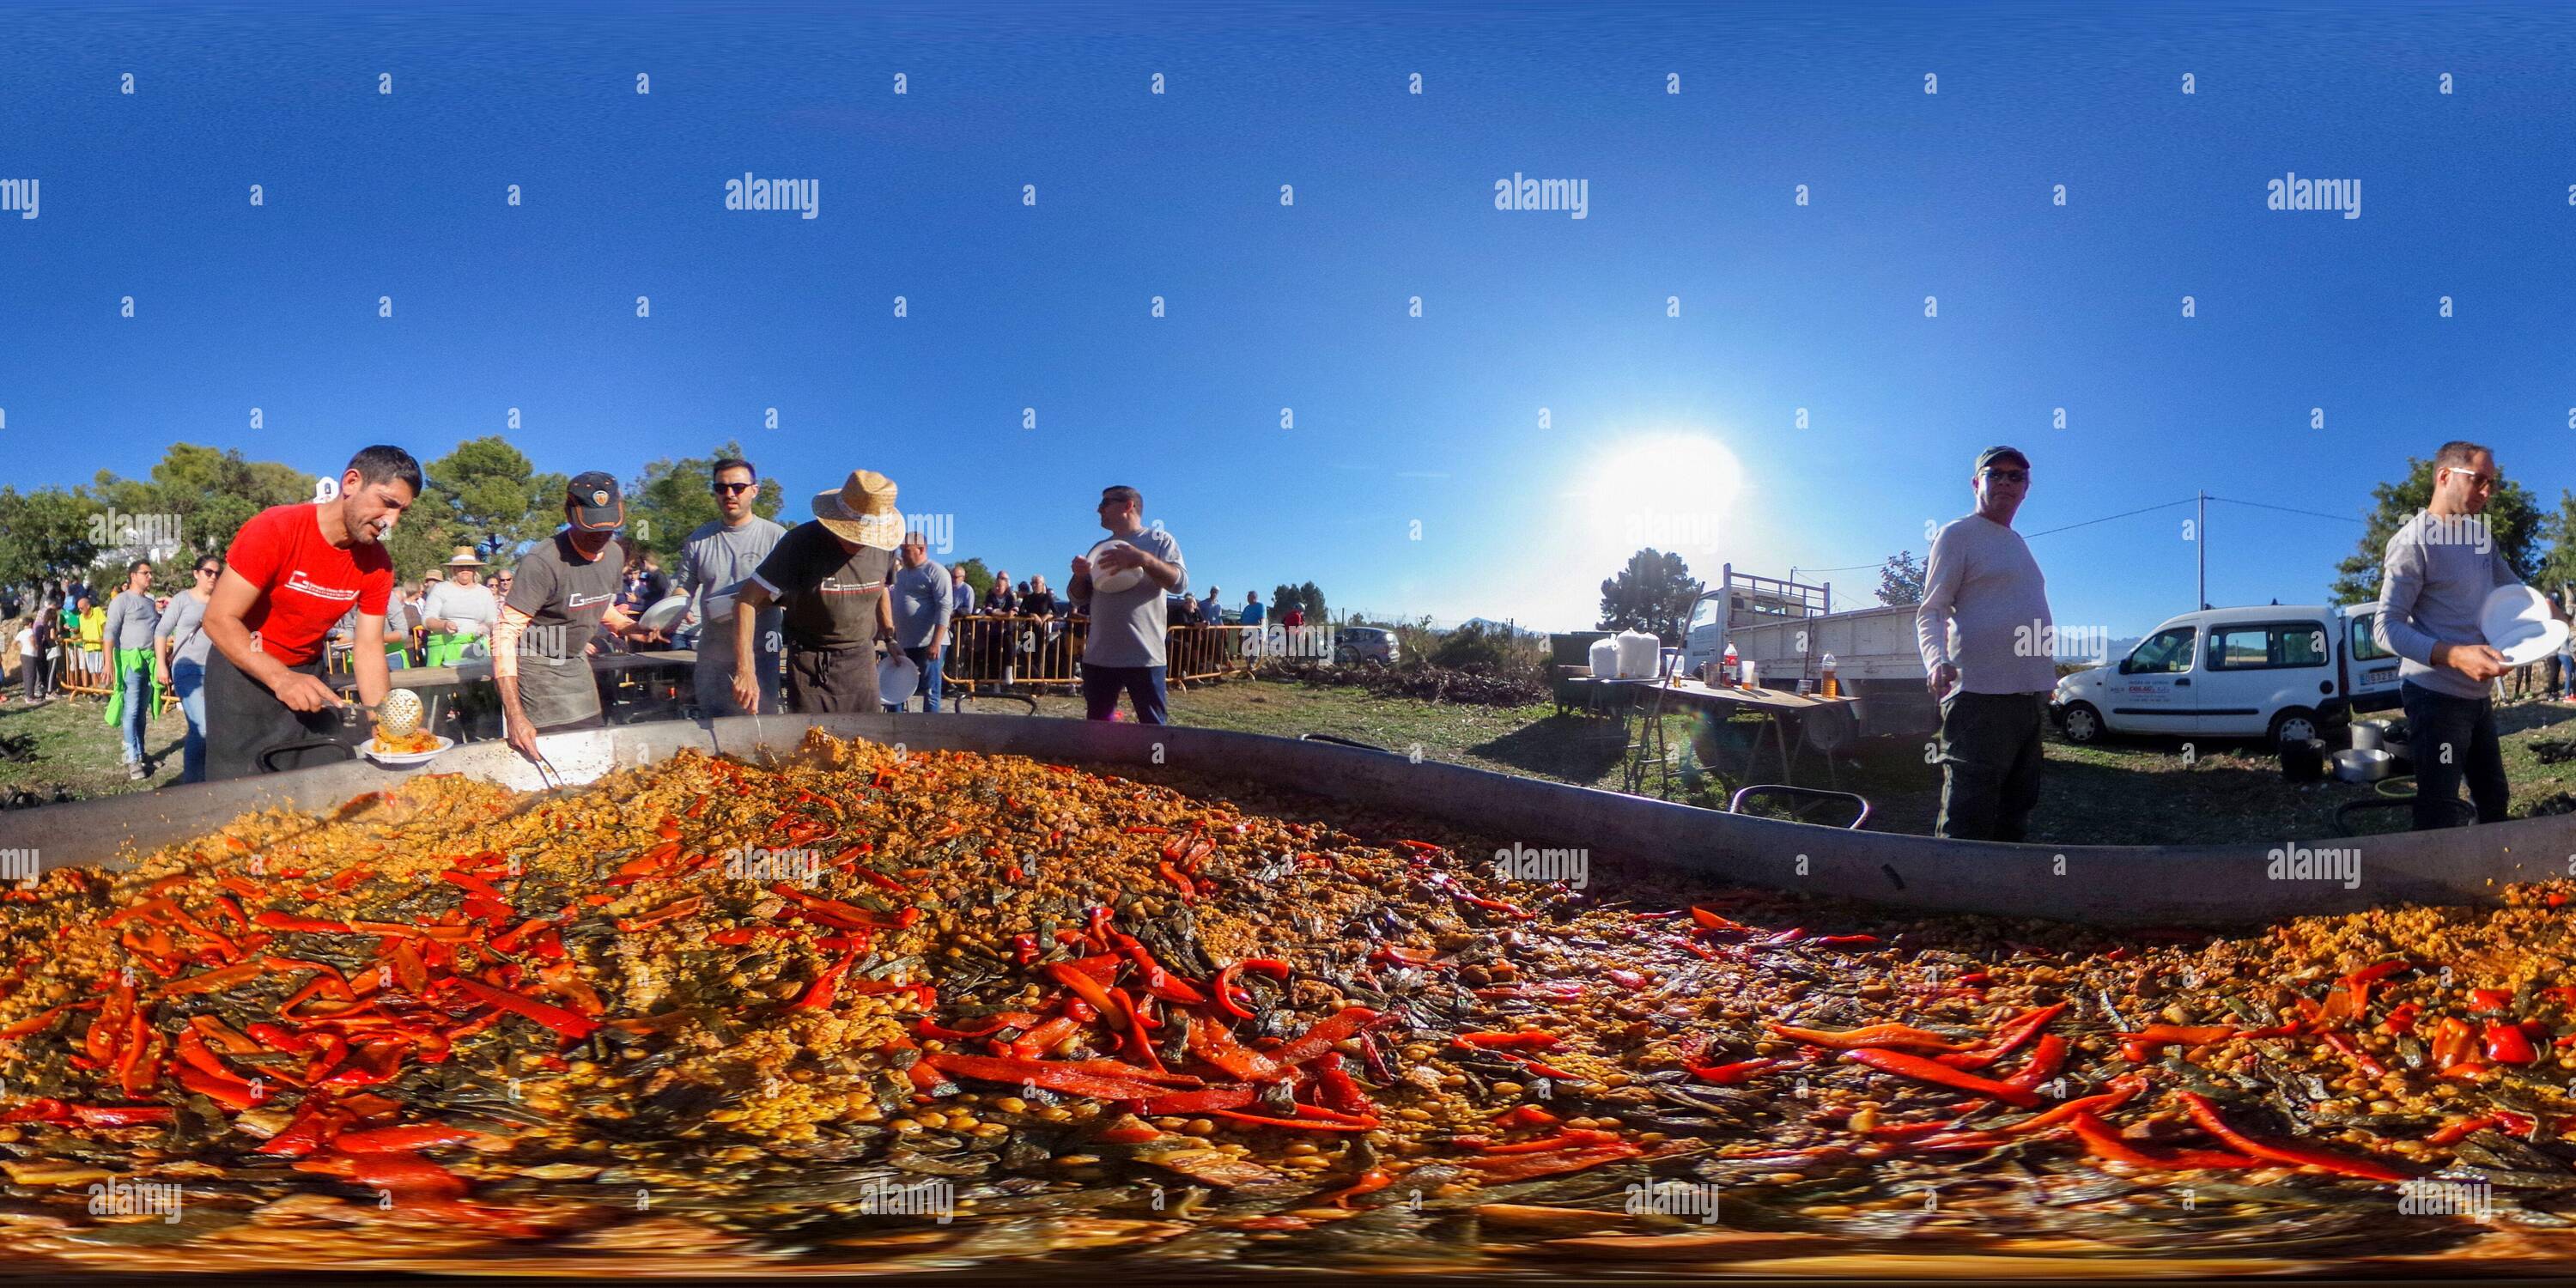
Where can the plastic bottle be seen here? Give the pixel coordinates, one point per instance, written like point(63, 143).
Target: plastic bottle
point(1726, 669)
point(1833, 688)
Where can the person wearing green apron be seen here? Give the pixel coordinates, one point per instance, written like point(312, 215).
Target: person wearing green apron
point(458, 613)
point(131, 619)
point(565, 590)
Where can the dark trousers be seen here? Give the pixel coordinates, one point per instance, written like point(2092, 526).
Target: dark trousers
point(245, 723)
point(1990, 758)
point(832, 681)
point(2450, 739)
point(1143, 686)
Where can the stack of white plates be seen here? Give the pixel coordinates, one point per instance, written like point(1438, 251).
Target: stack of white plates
point(2517, 623)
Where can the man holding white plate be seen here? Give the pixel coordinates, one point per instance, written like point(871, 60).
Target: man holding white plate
point(2440, 573)
point(1121, 584)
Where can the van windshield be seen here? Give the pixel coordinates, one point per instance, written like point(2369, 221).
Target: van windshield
point(2164, 651)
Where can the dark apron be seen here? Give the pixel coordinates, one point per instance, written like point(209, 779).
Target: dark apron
point(248, 731)
point(558, 691)
point(832, 681)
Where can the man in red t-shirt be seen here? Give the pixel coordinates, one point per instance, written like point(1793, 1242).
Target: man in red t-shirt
point(292, 573)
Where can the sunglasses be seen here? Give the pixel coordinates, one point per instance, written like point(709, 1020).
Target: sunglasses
point(737, 487)
point(210, 572)
point(2476, 479)
point(2008, 476)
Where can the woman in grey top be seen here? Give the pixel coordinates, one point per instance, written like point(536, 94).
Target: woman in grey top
point(179, 663)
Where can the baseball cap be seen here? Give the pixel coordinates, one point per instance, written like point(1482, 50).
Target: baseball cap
point(596, 503)
point(1994, 454)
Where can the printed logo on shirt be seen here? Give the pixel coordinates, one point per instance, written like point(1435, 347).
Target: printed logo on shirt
point(577, 600)
point(836, 586)
point(299, 581)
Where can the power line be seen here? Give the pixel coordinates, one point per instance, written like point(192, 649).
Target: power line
point(2314, 514)
point(2108, 517)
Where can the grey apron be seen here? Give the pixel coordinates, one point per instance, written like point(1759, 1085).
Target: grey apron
point(557, 691)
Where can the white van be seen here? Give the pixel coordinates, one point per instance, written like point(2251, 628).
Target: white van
point(2279, 672)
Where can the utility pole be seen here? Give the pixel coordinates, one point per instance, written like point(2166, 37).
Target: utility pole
point(2200, 548)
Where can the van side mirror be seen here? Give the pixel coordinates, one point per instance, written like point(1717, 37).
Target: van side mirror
point(2124, 666)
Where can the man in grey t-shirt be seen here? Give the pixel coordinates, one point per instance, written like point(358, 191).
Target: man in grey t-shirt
point(2435, 577)
point(1124, 651)
point(131, 617)
point(714, 562)
point(1984, 627)
point(923, 605)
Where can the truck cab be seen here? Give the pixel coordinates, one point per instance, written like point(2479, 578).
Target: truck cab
point(2277, 672)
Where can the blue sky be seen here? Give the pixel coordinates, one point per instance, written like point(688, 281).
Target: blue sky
point(1680, 427)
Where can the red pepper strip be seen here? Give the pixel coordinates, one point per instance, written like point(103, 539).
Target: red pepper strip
point(380, 1060)
point(2507, 1044)
point(56, 1111)
point(667, 912)
point(1053, 1075)
point(418, 1185)
point(214, 981)
point(2402, 1019)
point(2105, 1143)
point(241, 887)
point(1727, 1075)
point(1538, 1067)
point(928, 1028)
point(1223, 986)
point(1533, 1040)
point(2456, 1043)
point(1370, 1182)
point(1707, 920)
point(1024, 948)
point(2123, 1089)
point(2281, 1151)
point(819, 995)
point(193, 1050)
point(554, 1017)
point(1158, 981)
point(1053, 1031)
point(2460, 1129)
point(1347, 1022)
point(1089, 989)
point(136, 1069)
point(404, 1136)
point(1521, 1167)
point(42, 1020)
point(1145, 831)
point(1875, 1035)
point(2021, 1029)
point(2362, 1059)
point(1292, 1124)
point(1920, 1069)
point(275, 920)
point(2045, 1060)
point(1844, 941)
point(834, 912)
point(1192, 1102)
point(2489, 999)
point(228, 1091)
point(1562, 1140)
point(1212, 1042)
point(1422, 847)
point(473, 884)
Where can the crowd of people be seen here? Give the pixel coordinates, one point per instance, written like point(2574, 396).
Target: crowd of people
point(784, 619)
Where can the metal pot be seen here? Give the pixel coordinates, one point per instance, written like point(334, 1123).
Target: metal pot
point(2370, 735)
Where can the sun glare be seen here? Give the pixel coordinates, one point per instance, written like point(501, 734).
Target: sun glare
point(1675, 492)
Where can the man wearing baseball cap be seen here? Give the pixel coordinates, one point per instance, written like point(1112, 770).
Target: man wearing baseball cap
point(829, 576)
point(565, 590)
point(1985, 634)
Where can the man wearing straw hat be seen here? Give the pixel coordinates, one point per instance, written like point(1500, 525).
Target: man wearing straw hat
point(458, 613)
point(829, 577)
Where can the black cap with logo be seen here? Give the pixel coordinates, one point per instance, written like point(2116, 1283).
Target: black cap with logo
point(594, 501)
point(1994, 454)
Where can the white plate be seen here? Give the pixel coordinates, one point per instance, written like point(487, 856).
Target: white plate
point(664, 613)
point(1125, 579)
point(897, 679)
point(2516, 622)
point(407, 759)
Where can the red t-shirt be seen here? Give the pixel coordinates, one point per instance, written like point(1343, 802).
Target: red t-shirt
point(306, 584)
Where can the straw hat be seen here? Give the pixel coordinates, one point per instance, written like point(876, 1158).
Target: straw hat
point(465, 558)
point(862, 511)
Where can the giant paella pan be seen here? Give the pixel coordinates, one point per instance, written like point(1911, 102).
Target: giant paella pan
point(928, 994)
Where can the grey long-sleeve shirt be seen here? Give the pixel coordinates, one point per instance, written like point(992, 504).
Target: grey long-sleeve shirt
point(922, 604)
point(130, 620)
point(1985, 610)
point(2434, 577)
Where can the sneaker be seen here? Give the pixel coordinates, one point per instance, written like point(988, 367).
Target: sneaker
point(137, 773)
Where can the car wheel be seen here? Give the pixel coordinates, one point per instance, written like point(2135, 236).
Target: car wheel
point(2294, 724)
point(2083, 724)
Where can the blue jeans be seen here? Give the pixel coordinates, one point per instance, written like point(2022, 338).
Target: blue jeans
point(928, 660)
point(2566, 676)
point(1143, 686)
point(138, 711)
point(188, 679)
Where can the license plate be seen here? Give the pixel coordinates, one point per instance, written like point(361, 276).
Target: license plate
point(2379, 675)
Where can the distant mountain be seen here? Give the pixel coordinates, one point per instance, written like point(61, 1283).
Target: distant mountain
point(1494, 626)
